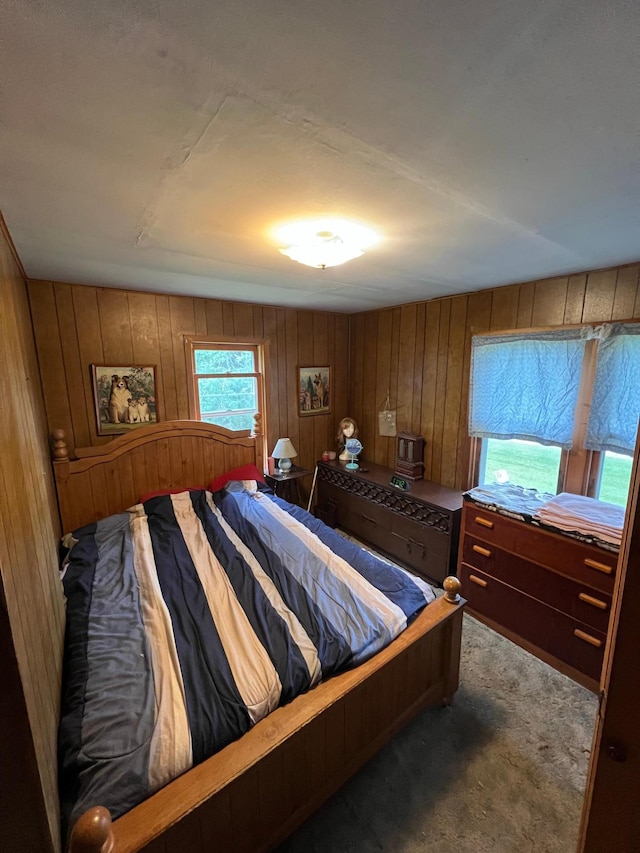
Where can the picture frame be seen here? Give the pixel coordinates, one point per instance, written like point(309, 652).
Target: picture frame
point(125, 397)
point(314, 391)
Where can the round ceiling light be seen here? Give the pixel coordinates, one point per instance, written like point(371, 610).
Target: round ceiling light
point(326, 242)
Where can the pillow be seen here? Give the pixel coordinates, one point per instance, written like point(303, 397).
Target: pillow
point(244, 472)
point(160, 492)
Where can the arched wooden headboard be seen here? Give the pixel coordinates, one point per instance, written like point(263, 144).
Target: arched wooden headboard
point(104, 480)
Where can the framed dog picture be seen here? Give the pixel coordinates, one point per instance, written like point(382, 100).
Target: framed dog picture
point(314, 388)
point(125, 397)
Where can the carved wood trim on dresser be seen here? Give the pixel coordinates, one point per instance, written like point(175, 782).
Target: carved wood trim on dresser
point(418, 528)
point(549, 593)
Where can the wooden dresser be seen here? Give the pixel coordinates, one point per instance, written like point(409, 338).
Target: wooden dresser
point(418, 528)
point(547, 592)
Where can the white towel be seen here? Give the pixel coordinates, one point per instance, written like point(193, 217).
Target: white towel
point(584, 515)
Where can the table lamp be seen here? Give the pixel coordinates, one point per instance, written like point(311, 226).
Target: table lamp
point(284, 452)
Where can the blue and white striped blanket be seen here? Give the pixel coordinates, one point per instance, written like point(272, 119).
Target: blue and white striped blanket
point(189, 620)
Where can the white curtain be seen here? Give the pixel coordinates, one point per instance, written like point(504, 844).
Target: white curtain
point(526, 385)
point(613, 419)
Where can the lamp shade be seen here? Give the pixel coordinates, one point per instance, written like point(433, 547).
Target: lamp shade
point(284, 449)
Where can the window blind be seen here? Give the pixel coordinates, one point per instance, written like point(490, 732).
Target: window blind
point(615, 407)
point(525, 386)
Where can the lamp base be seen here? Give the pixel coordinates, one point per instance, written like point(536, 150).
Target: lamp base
point(284, 466)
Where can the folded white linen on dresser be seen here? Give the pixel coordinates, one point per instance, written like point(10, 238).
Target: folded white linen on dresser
point(584, 515)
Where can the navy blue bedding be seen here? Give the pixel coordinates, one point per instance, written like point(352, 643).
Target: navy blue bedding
point(191, 617)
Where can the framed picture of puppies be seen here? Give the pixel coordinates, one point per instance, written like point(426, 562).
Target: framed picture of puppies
point(314, 389)
point(125, 397)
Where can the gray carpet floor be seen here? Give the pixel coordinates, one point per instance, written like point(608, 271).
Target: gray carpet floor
point(502, 769)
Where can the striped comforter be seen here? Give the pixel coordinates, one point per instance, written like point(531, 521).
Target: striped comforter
point(191, 617)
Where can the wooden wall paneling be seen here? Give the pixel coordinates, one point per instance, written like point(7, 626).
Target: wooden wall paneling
point(406, 352)
point(418, 367)
point(228, 324)
point(356, 379)
point(31, 598)
point(549, 302)
point(272, 393)
point(441, 390)
point(200, 316)
point(503, 306)
point(307, 453)
point(323, 345)
point(626, 289)
point(430, 376)
point(258, 322)
point(214, 318)
point(599, 296)
point(383, 384)
point(81, 434)
point(56, 394)
point(145, 339)
point(85, 305)
point(342, 371)
point(169, 398)
point(401, 414)
point(283, 379)
point(242, 320)
point(293, 418)
point(526, 295)
point(454, 387)
point(183, 322)
point(480, 318)
point(115, 326)
point(369, 366)
point(574, 306)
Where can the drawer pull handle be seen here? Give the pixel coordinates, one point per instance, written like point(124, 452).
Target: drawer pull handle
point(484, 522)
point(594, 602)
point(593, 641)
point(368, 518)
point(601, 567)
point(477, 581)
point(480, 550)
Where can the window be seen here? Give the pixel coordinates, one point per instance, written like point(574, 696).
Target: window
point(557, 410)
point(227, 386)
point(524, 463)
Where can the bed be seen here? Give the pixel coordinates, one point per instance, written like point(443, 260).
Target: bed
point(255, 791)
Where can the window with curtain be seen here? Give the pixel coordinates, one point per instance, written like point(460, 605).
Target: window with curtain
point(528, 393)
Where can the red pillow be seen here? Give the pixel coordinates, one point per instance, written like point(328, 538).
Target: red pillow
point(160, 492)
point(244, 472)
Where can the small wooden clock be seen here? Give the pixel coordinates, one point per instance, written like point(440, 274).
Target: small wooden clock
point(410, 451)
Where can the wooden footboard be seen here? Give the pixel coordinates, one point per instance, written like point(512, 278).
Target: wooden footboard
point(250, 796)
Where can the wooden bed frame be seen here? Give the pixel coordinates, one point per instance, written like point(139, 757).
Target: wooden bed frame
point(251, 795)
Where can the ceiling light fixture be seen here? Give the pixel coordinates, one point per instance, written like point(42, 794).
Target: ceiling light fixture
point(325, 243)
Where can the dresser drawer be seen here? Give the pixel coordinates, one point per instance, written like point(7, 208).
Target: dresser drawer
point(569, 640)
point(416, 556)
point(422, 535)
point(577, 600)
point(586, 563)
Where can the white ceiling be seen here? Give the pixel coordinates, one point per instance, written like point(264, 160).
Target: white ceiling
point(153, 145)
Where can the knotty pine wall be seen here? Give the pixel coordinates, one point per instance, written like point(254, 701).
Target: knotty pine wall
point(31, 607)
point(76, 325)
point(421, 353)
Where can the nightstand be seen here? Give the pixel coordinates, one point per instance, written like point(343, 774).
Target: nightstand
point(287, 486)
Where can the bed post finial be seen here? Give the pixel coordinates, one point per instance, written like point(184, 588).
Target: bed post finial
point(60, 449)
point(92, 832)
point(257, 423)
point(452, 587)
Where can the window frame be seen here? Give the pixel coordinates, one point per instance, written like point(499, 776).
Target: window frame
point(579, 467)
point(256, 345)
